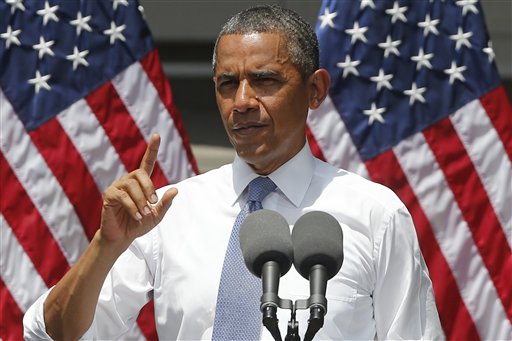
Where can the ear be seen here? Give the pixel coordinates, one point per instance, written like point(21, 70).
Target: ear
point(319, 83)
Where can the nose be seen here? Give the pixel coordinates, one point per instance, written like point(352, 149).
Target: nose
point(245, 97)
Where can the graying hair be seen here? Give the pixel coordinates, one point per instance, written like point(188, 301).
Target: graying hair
point(299, 36)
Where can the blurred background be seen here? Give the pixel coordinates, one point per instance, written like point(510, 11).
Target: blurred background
point(185, 32)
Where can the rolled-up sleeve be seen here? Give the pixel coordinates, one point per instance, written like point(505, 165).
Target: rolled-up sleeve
point(127, 288)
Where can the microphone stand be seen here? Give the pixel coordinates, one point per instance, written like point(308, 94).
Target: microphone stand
point(270, 301)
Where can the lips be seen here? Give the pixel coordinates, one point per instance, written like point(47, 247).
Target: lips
point(247, 128)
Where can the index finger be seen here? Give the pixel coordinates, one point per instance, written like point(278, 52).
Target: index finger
point(149, 158)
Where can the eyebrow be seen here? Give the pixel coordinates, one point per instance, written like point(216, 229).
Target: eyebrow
point(255, 74)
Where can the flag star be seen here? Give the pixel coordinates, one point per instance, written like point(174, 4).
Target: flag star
point(490, 51)
point(48, 13)
point(327, 18)
point(78, 58)
point(357, 33)
point(115, 32)
point(44, 47)
point(11, 36)
point(382, 80)
point(415, 94)
point(422, 59)
point(119, 2)
point(16, 4)
point(141, 10)
point(40, 81)
point(397, 12)
point(366, 3)
point(455, 72)
point(349, 66)
point(467, 5)
point(81, 23)
point(390, 46)
point(462, 38)
point(375, 114)
point(429, 25)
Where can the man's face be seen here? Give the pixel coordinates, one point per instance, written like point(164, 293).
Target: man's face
point(262, 99)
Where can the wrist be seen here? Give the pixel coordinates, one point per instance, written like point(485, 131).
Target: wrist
point(109, 248)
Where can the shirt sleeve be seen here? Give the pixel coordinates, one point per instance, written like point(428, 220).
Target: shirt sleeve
point(127, 288)
point(404, 304)
point(34, 327)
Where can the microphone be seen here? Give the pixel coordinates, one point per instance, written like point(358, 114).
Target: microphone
point(318, 256)
point(267, 249)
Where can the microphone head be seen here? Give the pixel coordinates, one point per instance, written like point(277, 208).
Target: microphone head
point(317, 239)
point(265, 236)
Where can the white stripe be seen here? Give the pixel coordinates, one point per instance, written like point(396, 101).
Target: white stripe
point(489, 157)
point(17, 270)
point(453, 236)
point(40, 184)
point(333, 138)
point(149, 113)
point(93, 144)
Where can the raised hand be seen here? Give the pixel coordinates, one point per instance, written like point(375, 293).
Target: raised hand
point(130, 205)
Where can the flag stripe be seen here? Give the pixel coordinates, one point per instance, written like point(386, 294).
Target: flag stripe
point(146, 321)
point(478, 135)
point(93, 144)
point(313, 144)
point(326, 125)
point(470, 195)
point(453, 236)
point(31, 231)
point(41, 185)
point(122, 131)
point(77, 184)
point(140, 97)
point(498, 107)
point(153, 67)
point(455, 318)
point(10, 329)
point(17, 269)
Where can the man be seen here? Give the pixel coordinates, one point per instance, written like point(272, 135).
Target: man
point(266, 77)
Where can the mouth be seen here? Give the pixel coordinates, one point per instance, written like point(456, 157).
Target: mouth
point(248, 128)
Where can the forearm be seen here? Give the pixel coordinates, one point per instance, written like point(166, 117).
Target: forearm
point(69, 308)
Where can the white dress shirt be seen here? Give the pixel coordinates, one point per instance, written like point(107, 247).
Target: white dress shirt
point(382, 291)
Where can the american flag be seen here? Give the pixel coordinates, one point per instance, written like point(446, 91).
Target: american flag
point(417, 104)
point(82, 90)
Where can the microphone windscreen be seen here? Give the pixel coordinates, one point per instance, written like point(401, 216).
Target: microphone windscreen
point(317, 239)
point(265, 236)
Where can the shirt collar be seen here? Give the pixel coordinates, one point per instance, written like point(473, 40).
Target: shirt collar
point(292, 178)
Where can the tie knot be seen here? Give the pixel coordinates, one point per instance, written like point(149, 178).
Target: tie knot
point(259, 188)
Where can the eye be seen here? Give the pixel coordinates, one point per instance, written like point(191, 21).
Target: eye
point(225, 83)
point(265, 79)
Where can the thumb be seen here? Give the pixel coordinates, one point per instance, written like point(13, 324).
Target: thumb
point(163, 205)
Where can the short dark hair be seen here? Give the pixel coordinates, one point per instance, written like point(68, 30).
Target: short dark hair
point(299, 36)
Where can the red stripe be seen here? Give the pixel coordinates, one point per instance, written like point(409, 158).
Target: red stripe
point(29, 228)
point(146, 321)
point(11, 317)
point(455, 318)
point(497, 105)
point(463, 180)
point(122, 130)
point(72, 173)
point(315, 148)
point(151, 64)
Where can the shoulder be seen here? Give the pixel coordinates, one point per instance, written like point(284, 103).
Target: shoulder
point(345, 184)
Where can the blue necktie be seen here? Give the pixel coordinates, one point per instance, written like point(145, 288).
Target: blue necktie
point(238, 315)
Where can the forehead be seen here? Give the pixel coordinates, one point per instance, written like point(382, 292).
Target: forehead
point(251, 50)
